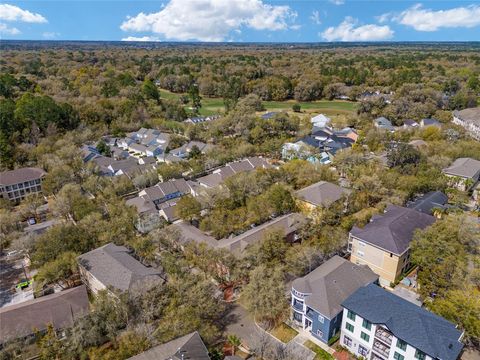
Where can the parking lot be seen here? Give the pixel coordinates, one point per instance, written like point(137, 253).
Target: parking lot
point(12, 272)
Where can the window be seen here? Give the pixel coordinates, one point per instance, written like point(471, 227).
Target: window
point(419, 355)
point(362, 351)
point(365, 337)
point(360, 253)
point(347, 341)
point(401, 344)
point(321, 319)
point(349, 327)
point(398, 356)
point(367, 324)
point(351, 315)
point(320, 333)
point(360, 243)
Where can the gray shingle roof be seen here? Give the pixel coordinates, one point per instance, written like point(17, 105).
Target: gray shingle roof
point(429, 201)
point(393, 230)
point(463, 167)
point(321, 193)
point(418, 327)
point(190, 346)
point(471, 115)
point(59, 309)
point(16, 176)
point(113, 266)
point(331, 283)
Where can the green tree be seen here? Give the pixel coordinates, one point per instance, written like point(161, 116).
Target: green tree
point(50, 346)
point(103, 148)
point(188, 208)
point(150, 90)
point(296, 107)
point(234, 341)
point(59, 271)
point(265, 294)
point(195, 98)
point(403, 155)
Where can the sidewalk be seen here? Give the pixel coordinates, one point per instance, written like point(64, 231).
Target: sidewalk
point(304, 336)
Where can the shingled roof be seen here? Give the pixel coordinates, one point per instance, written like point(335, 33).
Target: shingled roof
point(59, 309)
point(463, 167)
point(321, 193)
point(393, 230)
point(17, 176)
point(114, 267)
point(331, 283)
point(423, 330)
point(186, 347)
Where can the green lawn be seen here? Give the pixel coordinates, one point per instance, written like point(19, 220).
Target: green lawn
point(284, 333)
point(212, 106)
point(321, 354)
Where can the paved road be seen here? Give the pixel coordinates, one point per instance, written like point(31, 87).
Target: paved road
point(11, 272)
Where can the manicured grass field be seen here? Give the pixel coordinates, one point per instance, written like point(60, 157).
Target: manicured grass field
point(212, 106)
point(284, 333)
point(321, 354)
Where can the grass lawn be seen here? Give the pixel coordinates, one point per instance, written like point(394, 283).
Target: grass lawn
point(321, 354)
point(284, 333)
point(212, 106)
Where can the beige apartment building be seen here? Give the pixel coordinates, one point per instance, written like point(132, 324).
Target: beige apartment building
point(384, 243)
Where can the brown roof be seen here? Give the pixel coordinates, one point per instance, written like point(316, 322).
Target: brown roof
point(59, 309)
point(16, 176)
point(321, 193)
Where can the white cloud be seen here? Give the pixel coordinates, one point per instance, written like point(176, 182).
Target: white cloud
point(349, 31)
point(142, 38)
point(50, 35)
point(429, 20)
point(337, 2)
point(315, 17)
point(14, 13)
point(384, 17)
point(5, 29)
point(210, 20)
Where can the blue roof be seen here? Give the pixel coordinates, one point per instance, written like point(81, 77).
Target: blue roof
point(418, 327)
point(269, 115)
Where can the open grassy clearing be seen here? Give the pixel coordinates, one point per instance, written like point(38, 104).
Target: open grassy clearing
point(212, 106)
point(284, 333)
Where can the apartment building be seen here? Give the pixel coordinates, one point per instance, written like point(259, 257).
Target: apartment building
point(16, 184)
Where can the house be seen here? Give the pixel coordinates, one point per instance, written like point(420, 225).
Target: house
point(320, 120)
point(201, 119)
point(129, 167)
point(379, 325)
point(320, 194)
point(469, 119)
point(18, 183)
point(183, 151)
point(383, 123)
point(186, 347)
point(317, 297)
point(167, 190)
point(384, 243)
point(429, 122)
point(410, 124)
point(89, 152)
point(464, 173)
point(145, 142)
point(288, 224)
point(429, 202)
point(60, 309)
point(268, 115)
point(111, 267)
point(217, 177)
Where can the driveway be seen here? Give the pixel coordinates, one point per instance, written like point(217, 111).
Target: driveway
point(11, 272)
point(241, 324)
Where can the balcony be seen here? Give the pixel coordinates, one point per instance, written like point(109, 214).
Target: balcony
point(310, 313)
point(384, 336)
point(381, 349)
point(376, 357)
point(297, 305)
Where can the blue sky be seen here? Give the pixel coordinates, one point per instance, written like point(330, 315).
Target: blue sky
point(241, 20)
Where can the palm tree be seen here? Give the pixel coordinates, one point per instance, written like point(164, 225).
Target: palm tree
point(235, 341)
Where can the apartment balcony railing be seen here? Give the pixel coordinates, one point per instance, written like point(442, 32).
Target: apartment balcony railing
point(298, 306)
point(376, 357)
point(384, 336)
point(381, 349)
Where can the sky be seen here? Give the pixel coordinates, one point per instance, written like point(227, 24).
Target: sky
point(241, 20)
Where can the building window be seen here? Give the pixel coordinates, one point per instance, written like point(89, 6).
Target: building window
point(398, 356)
point(349, 327)
point(367, 324)
point(365, 337)
point(419, 355)
point(401, 344)
point(362, 351)
point(347, 341)
point(360, 243)
point(360, 253)
point(320, 333)
point(351, 315)
point(321, 319)
point(297, 316)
